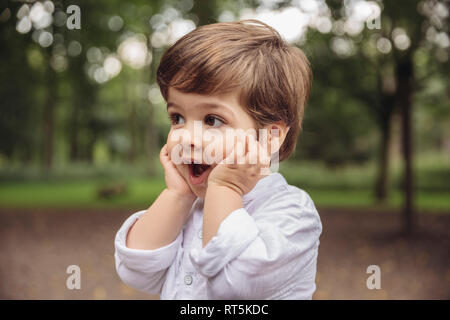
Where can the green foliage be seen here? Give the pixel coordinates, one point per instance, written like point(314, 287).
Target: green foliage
point(349, 186)
point(61, 122)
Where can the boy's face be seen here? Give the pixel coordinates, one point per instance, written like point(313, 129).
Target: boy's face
point(199, 124)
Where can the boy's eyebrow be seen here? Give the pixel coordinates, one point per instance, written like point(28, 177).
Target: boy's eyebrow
point(205, 105)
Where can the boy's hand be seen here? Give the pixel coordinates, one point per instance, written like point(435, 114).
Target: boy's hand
point(174, 181)
point(241, 178)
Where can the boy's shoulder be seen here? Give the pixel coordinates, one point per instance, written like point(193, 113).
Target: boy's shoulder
point(277, 202)
point(274, 189)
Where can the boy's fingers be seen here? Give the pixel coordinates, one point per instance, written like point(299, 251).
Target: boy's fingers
point(228, 157)
point(231, 159)
point(264, 160)
point(240, 147)
point(246, 145)
point(264, 156)
point(163, 152)
point(165, 159)
point(253, 151)
point(164, 156)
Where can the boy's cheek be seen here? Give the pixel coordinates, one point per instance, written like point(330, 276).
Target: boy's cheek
point(171, 142)
point(180, 168)
point(177, 136)
point(231, 146)
point(170, 149)
point(215, 151)
point(174, 149)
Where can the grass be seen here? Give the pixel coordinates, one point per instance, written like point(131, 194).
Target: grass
point(424, 201)
point(352, 186)
point(142, 192)
point(78, 186)
point(79, 194)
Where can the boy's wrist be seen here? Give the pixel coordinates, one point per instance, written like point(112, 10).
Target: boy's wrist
point(224, 188)
point(179, 196)
point(220, 201)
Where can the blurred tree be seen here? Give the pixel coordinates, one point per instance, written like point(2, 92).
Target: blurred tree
point(72, 92)
point(48, 114)
point(17, 85)
point(206, 11)
point(405, 28)
point(412, 23)
point(379, 50)
point(336, 128)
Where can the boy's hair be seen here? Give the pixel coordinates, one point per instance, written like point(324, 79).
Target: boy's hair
point(272, 78)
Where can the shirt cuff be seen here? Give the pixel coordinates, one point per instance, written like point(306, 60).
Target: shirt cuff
point(236, 232)
point(144, 260)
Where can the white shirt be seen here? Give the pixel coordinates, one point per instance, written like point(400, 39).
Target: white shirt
point(266, 250)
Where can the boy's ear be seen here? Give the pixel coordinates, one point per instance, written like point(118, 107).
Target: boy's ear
point(276, 130)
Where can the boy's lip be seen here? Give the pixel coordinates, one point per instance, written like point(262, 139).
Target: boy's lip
point(191, 160)
point(196, 180)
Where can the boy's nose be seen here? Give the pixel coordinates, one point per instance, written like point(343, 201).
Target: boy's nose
point(193, 140)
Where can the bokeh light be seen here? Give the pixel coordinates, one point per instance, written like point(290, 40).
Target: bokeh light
point(133, 51)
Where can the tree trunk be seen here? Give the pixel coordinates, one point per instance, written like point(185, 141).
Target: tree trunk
point(129, 102)
point(48, 121)
point(73, 134)
point(152, 138)
point(381, 189)
point(405, 78)
point(133, 132)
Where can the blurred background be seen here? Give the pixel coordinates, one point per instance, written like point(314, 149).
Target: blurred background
point(82, 121)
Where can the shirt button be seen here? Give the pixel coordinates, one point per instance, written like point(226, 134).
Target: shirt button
point(188, 279)
point(200, 233)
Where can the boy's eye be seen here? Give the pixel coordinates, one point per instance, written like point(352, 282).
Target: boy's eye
point(176, 119)
point(213, 121)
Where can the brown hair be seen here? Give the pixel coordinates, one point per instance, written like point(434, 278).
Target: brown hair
point(273, 79)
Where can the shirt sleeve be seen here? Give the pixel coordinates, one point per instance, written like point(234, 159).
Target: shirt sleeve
point(263, 257)
point(144, 270)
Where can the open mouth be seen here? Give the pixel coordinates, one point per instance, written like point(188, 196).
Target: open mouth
point(198, 169)
point(198, 172)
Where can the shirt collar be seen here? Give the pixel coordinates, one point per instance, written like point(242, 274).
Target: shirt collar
point(269, 182)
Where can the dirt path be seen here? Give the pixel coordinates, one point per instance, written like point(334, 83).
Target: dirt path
point(37, 246)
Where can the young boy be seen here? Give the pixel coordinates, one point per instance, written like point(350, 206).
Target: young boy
point(222, 229)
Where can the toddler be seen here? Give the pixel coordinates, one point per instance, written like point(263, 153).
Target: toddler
point(225, 226)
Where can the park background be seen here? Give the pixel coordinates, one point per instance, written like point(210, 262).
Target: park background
point(82, 121)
